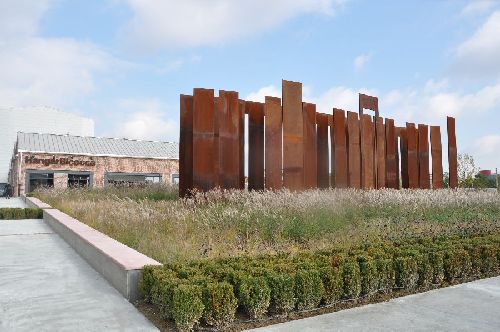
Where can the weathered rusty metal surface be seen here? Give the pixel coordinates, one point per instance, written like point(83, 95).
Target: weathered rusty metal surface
point(404, 158)
point(273, 140)
point(310, 149)
point(339, 150)
point(367, 152)
point(368, 102)
point(380, 152)
point(423, 157)
point(255, 145)
point(293, 136)
point(323, 155)
point(353, 150)
point(241, 152)
point(412, 138)
point(204, 162)
point(437, 158)
point(186, 145)
point(390, 154)
point(229, 143)
point(452, 152)
point(398, 168)
point(216, 142)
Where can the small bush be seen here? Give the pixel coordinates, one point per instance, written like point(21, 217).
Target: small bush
point(220, 304)
point(425, 272)
point(436, 262)
point(406, 272)
point(332, 284)
point(20, 213)
point(351, 279)
point(254, 295)
point(488, 259)
point(33, 213)
point(452, 264)
point(385, 272)
point(308, 289)
point(369, 275)
point(282, 287)
point(187, 306)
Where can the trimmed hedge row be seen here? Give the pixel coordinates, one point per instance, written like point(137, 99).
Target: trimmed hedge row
point(21, 213)
point(211, 291)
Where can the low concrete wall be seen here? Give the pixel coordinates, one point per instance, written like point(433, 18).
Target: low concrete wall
point(120, 265)
point(34, 202)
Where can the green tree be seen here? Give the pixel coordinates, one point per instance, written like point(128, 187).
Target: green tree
point(467, 170)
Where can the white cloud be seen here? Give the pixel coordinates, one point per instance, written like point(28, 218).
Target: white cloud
point(361, 60)
point(480, 54)
point(269, 90)
point(476, 7)
point(19, 18)
point(146, 119)
point(171, 23)
point(485, 149)
point(339, 97)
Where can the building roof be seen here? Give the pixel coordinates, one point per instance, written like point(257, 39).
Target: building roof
point(96, 146)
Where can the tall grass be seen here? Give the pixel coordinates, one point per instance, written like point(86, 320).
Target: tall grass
point(232, 223)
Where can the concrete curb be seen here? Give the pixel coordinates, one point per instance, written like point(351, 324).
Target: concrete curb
point(34, 202)
point(118, 264)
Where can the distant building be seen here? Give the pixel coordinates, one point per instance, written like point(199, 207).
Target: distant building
point(38, 120)
point(63, 161)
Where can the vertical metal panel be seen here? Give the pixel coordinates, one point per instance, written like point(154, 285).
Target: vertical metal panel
point(323, 155)
point(229, 145)
point(423, 157)
point(186, 145)
point(412, 139)
point(241, 151)
point(437, 158)
point(404, 158)
point(353, 150)
point(204, 162)
point(273, 141)
point(310, 150)
point(368, 102)
point(390, 154)
point(293, 134)
point(367, 152)
point(380, 152)
point(452, 152)
point(398, 169)
point(339, 150)
point(255, 145)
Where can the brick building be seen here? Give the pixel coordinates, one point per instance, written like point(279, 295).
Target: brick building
point(63, 161)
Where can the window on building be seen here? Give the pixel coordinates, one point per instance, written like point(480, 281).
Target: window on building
point(175, 178)
point(40, 180)
point(78, 180)
point(128, 179)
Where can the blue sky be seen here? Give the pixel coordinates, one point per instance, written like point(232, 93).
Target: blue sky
point(125, 62)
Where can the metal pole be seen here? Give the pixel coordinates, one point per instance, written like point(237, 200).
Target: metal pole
point(496, 178)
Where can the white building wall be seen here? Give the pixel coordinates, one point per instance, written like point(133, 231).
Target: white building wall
point(36, 120)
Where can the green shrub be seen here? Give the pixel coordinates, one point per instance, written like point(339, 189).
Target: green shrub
point(220, 304)
point(452, 264)
point(147, 281)
point(163, 289)
point(332, 283)
point(351, 278)
point(436, 262)
point(187, 306)
point(33, 213)
point(385, 272)
point(369, 275)
point(282, 287)
point(308, 289)
point(489, 262)
point(20, 213)
point(406, 272)
point(254, 295)
point(425, 272)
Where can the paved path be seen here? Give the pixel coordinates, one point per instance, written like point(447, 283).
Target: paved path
point(46, 286)
point(474, 306)
point(15, 202)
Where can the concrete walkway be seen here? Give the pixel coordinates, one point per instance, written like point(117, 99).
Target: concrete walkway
point(474, 306)
point(46, 286)
point(15, 202)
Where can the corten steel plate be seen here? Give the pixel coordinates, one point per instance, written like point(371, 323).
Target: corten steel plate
point(241, 151)
point(380, 153)
point(273, 143)
point(255, 145)
point(216, 142)
point(229, 143)
point(367, 152)
point(353, 150)
point(293, 136)
point(404, 158)
point(412, 138)
point(310, 149)
point(423, 157)
point(368, 102)
point(323, 155)
point(339, 149)
point(437, 158)
point(390, 154)
point(452, 152)
point(186, 145)
point(398, 169)
point(204, 162)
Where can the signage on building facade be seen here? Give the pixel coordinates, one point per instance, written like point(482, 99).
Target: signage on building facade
point(70, 161)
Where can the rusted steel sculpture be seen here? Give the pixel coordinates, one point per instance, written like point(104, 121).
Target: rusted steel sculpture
point(288, 145)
